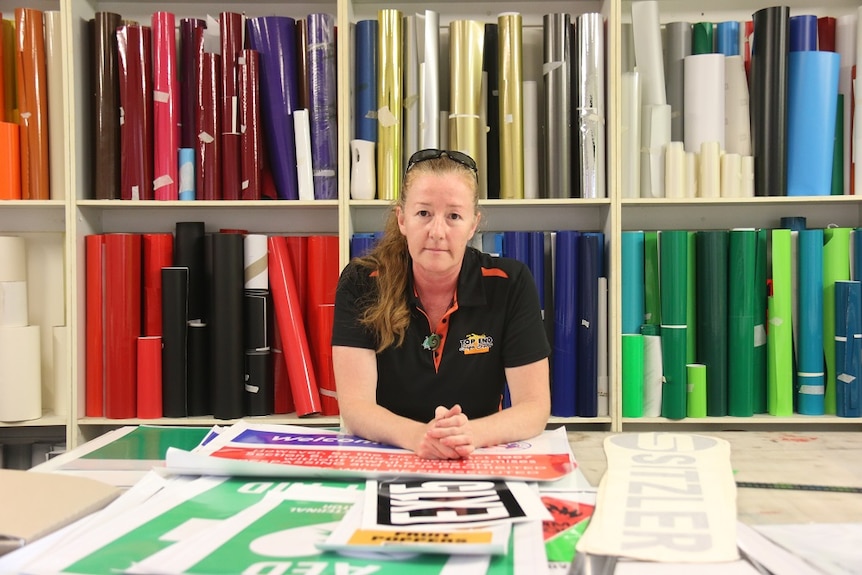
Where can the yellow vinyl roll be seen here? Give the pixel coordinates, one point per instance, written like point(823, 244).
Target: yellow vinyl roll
point(466, 38)
point(390, 101)
point(510, 56)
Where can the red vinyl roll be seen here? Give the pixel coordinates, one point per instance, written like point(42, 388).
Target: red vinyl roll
point(320, 302)
point(32, 103)
point(158, 254)
point(149, 377)
point(231, 34)
point(281, 380)
point(297, 246)
point(288, 314)
point(324, 316)
point(322, 269)
point(94, 387)
point(251, 139)
point(134, 48)
point(122, 323)
point(826, 28)
point(166, 108)
point(208, 184)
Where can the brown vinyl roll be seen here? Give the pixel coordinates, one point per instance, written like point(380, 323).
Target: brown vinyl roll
point(32, 104)
point(251, 139)
point(105, 93)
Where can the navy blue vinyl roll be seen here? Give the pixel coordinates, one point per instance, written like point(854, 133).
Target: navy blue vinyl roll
point(365, 92)
point(361, 243)
point(589, 270)
point(322, 113)
point(803, 33)
point(516, 245)
point(564, 357)
point(536, 263)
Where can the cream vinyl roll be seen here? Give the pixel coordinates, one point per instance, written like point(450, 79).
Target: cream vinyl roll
point(709, 170)
point(737, 128)
point(428, 41)
point(655, 136)
point(256, 262)
point(704, 100)
point(13, 304)
point(20, 374)
point(510, 65)
point(410, 143)
point(531, 139)
point(746, 178)
point(13, 259)
point(465, 91)
point(627, 48)
point(649, 57)
point(652, 375)
point(363, 179)
point(690, 175)
point(390, 102)
point(603, 383)
point(630, 135)
point(845, 45)
point(54, 396)
point(731, 175)
point(674, 171)
point(56, 118)
point(591, 105)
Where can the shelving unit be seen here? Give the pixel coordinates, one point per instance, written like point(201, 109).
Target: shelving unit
point(79, 216)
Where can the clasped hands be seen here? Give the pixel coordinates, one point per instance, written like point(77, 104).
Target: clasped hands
point(448, 436)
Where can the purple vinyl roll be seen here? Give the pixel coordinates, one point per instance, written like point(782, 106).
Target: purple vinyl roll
point(322, 114)
point(275, 38)
point(190, 47)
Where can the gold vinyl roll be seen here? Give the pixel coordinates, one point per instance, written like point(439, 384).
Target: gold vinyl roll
point(390, 100)
point(466, 38)
point(510, 54)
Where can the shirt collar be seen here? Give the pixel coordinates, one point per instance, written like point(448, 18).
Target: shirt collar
point(470, 290)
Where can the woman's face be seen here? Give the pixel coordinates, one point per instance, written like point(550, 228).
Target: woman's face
point(438, 219)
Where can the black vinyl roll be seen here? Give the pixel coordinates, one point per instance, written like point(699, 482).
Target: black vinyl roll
point(189, 253)
point(197, 370)
point(175, 286)
point(490, 66)
point(226, 326)
point(259, 383)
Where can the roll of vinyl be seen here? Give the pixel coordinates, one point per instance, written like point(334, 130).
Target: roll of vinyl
point(769, 67)
point(826, 31)
point(429, 79)
point(304, 159)
point(836, 267)
point(189, 253)
point(283, 402)
point(10, 161)
point(779, 399)
point(257, 315)
point(652, 293)
point(255, 257)
point(20, 374)
point(848, 348)
point(845, 45)
point(673, 265)
point(761, 271)
point(655, 136)
point(630, 135)
point(32, 99)
point(94, 386)
point(166, 104)
point(191, 43)
point(465, 90)
point(737, 129)
point(704, 100)
point(231, 28)
point(677, 48)
point(303, 101)
point(812, 97)
point(709, 170)
point(742, 247)
point(691, 301)
point(365, 91)
point(491, 55)
point(557, 177)
point(564, 369)
point(226, 326)
point(322, 115)
point(186, 188)
point(13, 259)
point(198, 384)
point(174, 348)
point(633, 375)
point(648, 51)
point(251, 136)
point(297, 248)
point(603, 362)
point(54, 55)
point(363, 173)
point(731, 175)
point(653, 371)
point(511, 108)
point(746, 187)
point(696, 377)
point(627, 48)
point(7, 28)
point(803, 33)
point(632, 281)
point(13, 304)
point(711, 247)
point(259, 383)
point(727, 38)
point(531, 140)
point(410, 135)
point(149, 399)
point(837, 187)
point(158, 253)
point(589, 268)
point(591, 106)
point(390, 102)
point(702, 38)
point(105, 126)
point(134, 44)
point(208, 185)
point(674, 170)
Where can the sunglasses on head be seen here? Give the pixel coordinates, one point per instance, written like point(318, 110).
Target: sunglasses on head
point(433, 154)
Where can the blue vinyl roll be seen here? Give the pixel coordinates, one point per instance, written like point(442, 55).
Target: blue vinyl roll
point(727, 38)
point(803, 33)
point(809, 332)
point(848, 348)
point(536, 263)
point(589, 270)
point(793, 223)
point(632, 281)
point(492, 243)
point(564, 357)
point(361, 243)
point(366, 80)
point(516, 245)
point(187, 174)
point(812, 101)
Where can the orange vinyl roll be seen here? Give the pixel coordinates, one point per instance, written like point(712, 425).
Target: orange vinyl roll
point(149, 377)
point(94, 388)
point(283, 396)
point(288, 313)
point(158, 254)
point(324, 316)
point(2, 73)
point(32, 104)
point(10, 162)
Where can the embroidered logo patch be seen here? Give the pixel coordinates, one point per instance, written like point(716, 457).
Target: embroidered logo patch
point(476, 343)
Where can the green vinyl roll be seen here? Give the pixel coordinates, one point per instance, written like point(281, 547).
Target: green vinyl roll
point(779, 395)
point(691, 300)
point(633, 375)
point(652, 294)
point(742, 248)
point(760, 275)
point(673, 392)
point(836, 267)
point(673, 266)
point(702, 38)
point(712, 316)
point(695, 390)
point(838, 151)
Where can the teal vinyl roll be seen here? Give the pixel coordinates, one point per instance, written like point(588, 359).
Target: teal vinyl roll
point(848, 348)
point(810, 375)
point(632, 281)
point(742, 247)
point(652, 293)
point(836, 267)
point(712, 253)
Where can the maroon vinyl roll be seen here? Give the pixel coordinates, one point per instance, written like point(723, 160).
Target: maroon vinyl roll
point(158, 254)
point(149, 377)
point(122, 323)
point(104, 90)
point(191, 45)
point(166, 108)
point(251, 139)
point(208, 159)
point(826, 29)
point(231, 33)
point(134, 49)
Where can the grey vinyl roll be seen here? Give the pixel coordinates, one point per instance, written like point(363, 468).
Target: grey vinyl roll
point(591, 105)
point(677, 46)
point(556, 109)
point(627, 48)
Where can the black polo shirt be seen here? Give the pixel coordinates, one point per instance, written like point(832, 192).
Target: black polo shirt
point(495, 323)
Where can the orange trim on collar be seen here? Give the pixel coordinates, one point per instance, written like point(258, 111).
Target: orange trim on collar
point(494, 272)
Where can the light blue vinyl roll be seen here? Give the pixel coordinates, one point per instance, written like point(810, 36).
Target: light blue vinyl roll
point(632, 281)
point(564, 356)
point(812, 101)
point(365, 92)
point(848, 348)
point(809, 346)
point(727, 38)
point(186, 188)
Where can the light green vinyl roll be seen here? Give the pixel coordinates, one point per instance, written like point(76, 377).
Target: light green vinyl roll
point(836, 267)
point(779, 397)
point(696, 390)
point(633, 375)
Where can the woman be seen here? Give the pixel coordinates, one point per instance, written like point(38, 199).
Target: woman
point(427, 330)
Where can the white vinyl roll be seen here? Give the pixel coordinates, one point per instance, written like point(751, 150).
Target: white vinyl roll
point(655, 136)
point(746, 178)
point(13, 259)
point(304, 167)
point(704, 100)
point(653, 378)
point(709, 170)
point(646, 31)
point(531, 139)
point(20, 374)
point(54, 55)
point(674, 170)
point(603, 383)
point(845, 45)
point(256, 262)
point(737, 130)
point(690, 175)
point(731, 175)
point(363, 170)
point(428, 41)
point(13, 304)
point(630, 135)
